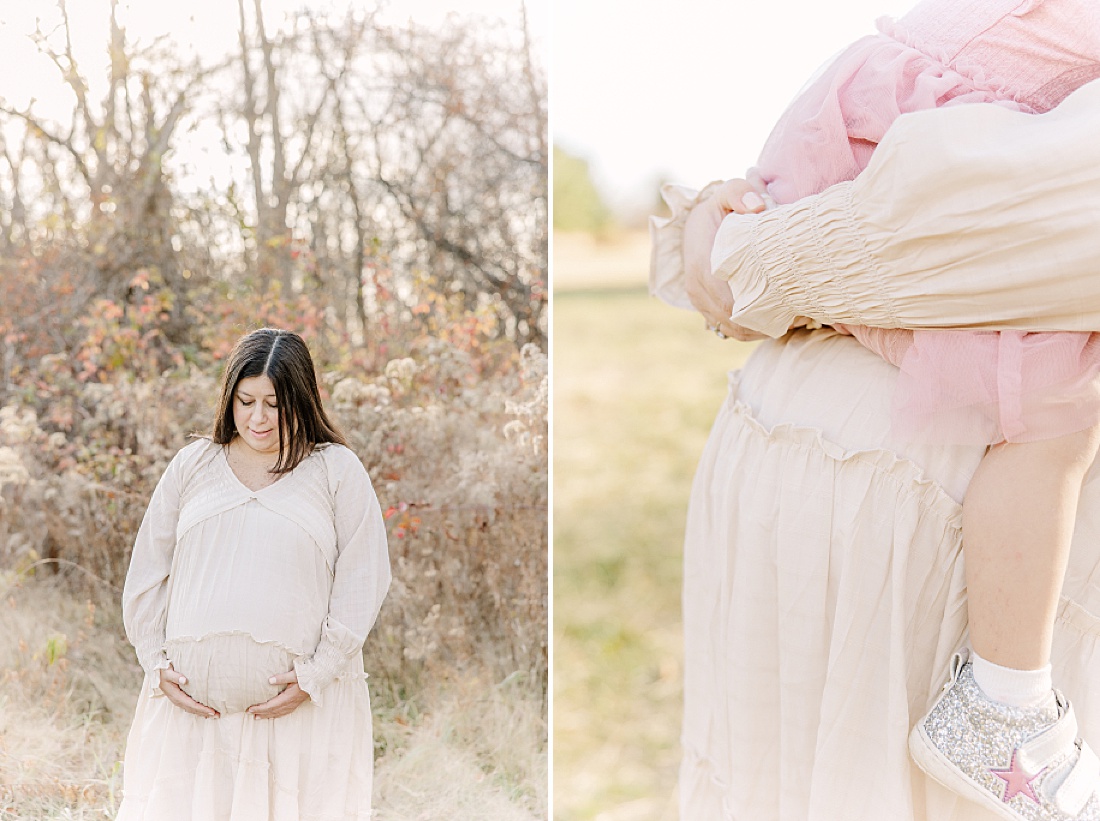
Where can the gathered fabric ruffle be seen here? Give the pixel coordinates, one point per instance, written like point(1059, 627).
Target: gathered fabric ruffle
point(315, 764)
point(666, 237)
point(964, 387)
point(959, 387)
point(229, 671)
point(825, 592)
point(829, 132)
point(1044, 385)
point(976, 76)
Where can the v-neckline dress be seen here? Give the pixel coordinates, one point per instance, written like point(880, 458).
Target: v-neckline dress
point(247, 593)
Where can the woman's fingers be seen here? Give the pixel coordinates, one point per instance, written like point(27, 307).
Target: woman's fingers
point(707, 299)
point(708, 294)
point(739, 197)
point(170, 682)
point(173, 676)
point(185, 702)
point(283, 704)
point(711, 295)
point(731, 330)
point(289, 677)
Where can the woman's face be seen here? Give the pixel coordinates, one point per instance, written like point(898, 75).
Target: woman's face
point(256, 414)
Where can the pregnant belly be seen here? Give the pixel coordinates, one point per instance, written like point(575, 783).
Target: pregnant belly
point(229, 672)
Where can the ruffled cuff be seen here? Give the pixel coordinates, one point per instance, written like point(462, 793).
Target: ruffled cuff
point(152, 658)
point(799, 261)
point(666, 236)
point(319, 670)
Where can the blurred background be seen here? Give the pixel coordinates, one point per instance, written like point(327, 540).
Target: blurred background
point(643, 95)
point(173, 175)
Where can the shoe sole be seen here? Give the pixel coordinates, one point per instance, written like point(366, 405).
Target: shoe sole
point(928, 757)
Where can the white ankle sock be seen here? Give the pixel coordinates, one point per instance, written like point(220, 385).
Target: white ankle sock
point(1016, 688)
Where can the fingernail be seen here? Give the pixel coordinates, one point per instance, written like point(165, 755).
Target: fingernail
point(271, 680)
point(183, 679)
point(752, 200)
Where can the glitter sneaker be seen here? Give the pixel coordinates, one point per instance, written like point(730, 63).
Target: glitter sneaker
point(1020, 763)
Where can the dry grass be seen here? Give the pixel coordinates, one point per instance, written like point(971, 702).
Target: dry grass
point(637, 385)
point(64, 702)
point(612, 260)
point(480, 755)
point(472, 748)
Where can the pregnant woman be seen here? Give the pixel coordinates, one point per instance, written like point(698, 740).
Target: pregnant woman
point(258, 570)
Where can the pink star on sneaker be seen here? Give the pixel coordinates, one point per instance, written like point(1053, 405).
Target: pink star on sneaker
point(1017, 782)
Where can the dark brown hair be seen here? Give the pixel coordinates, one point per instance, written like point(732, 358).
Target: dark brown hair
point(283, 358)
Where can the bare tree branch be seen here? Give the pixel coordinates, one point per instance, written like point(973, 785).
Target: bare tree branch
point(39, 128)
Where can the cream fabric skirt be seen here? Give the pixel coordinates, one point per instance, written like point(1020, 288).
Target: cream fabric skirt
point(824, 594)
point(315, 764)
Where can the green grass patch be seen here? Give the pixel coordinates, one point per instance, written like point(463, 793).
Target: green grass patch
point(636, 387)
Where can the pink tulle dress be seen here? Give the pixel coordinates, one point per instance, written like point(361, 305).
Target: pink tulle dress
point(963, 387)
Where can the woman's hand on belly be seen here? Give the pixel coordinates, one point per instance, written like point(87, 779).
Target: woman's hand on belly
point(170, 682)
point(286, 702)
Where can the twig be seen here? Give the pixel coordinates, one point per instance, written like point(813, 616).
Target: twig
point(79, 567)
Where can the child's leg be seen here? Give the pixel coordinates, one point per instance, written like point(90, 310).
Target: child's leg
point(1018, 519)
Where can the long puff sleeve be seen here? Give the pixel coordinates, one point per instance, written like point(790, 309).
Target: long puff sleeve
point(666, 234)
point(967, 217)
point(145, 593)
point(361, 575)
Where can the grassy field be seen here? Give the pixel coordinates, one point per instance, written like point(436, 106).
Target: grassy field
point(69, 681)
point(636, 387)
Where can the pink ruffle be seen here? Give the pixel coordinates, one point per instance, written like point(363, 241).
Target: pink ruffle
point(1041, 385)
point(963, 387)
point(828, 133)
point(955, 386)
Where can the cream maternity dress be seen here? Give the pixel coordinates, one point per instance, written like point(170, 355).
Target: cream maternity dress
point(231, 586)
point(824, 588)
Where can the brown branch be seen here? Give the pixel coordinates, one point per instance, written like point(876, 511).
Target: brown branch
point(271, 105)
point(67, 144)
point(250, 120)
point(311, 123)
point(77, 83)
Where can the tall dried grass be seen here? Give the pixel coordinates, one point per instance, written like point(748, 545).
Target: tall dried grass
point(66, 695)
point(467, 749)
point(476, 757)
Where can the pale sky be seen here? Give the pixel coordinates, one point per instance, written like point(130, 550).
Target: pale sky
point(686, 90)
point(206, 27)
